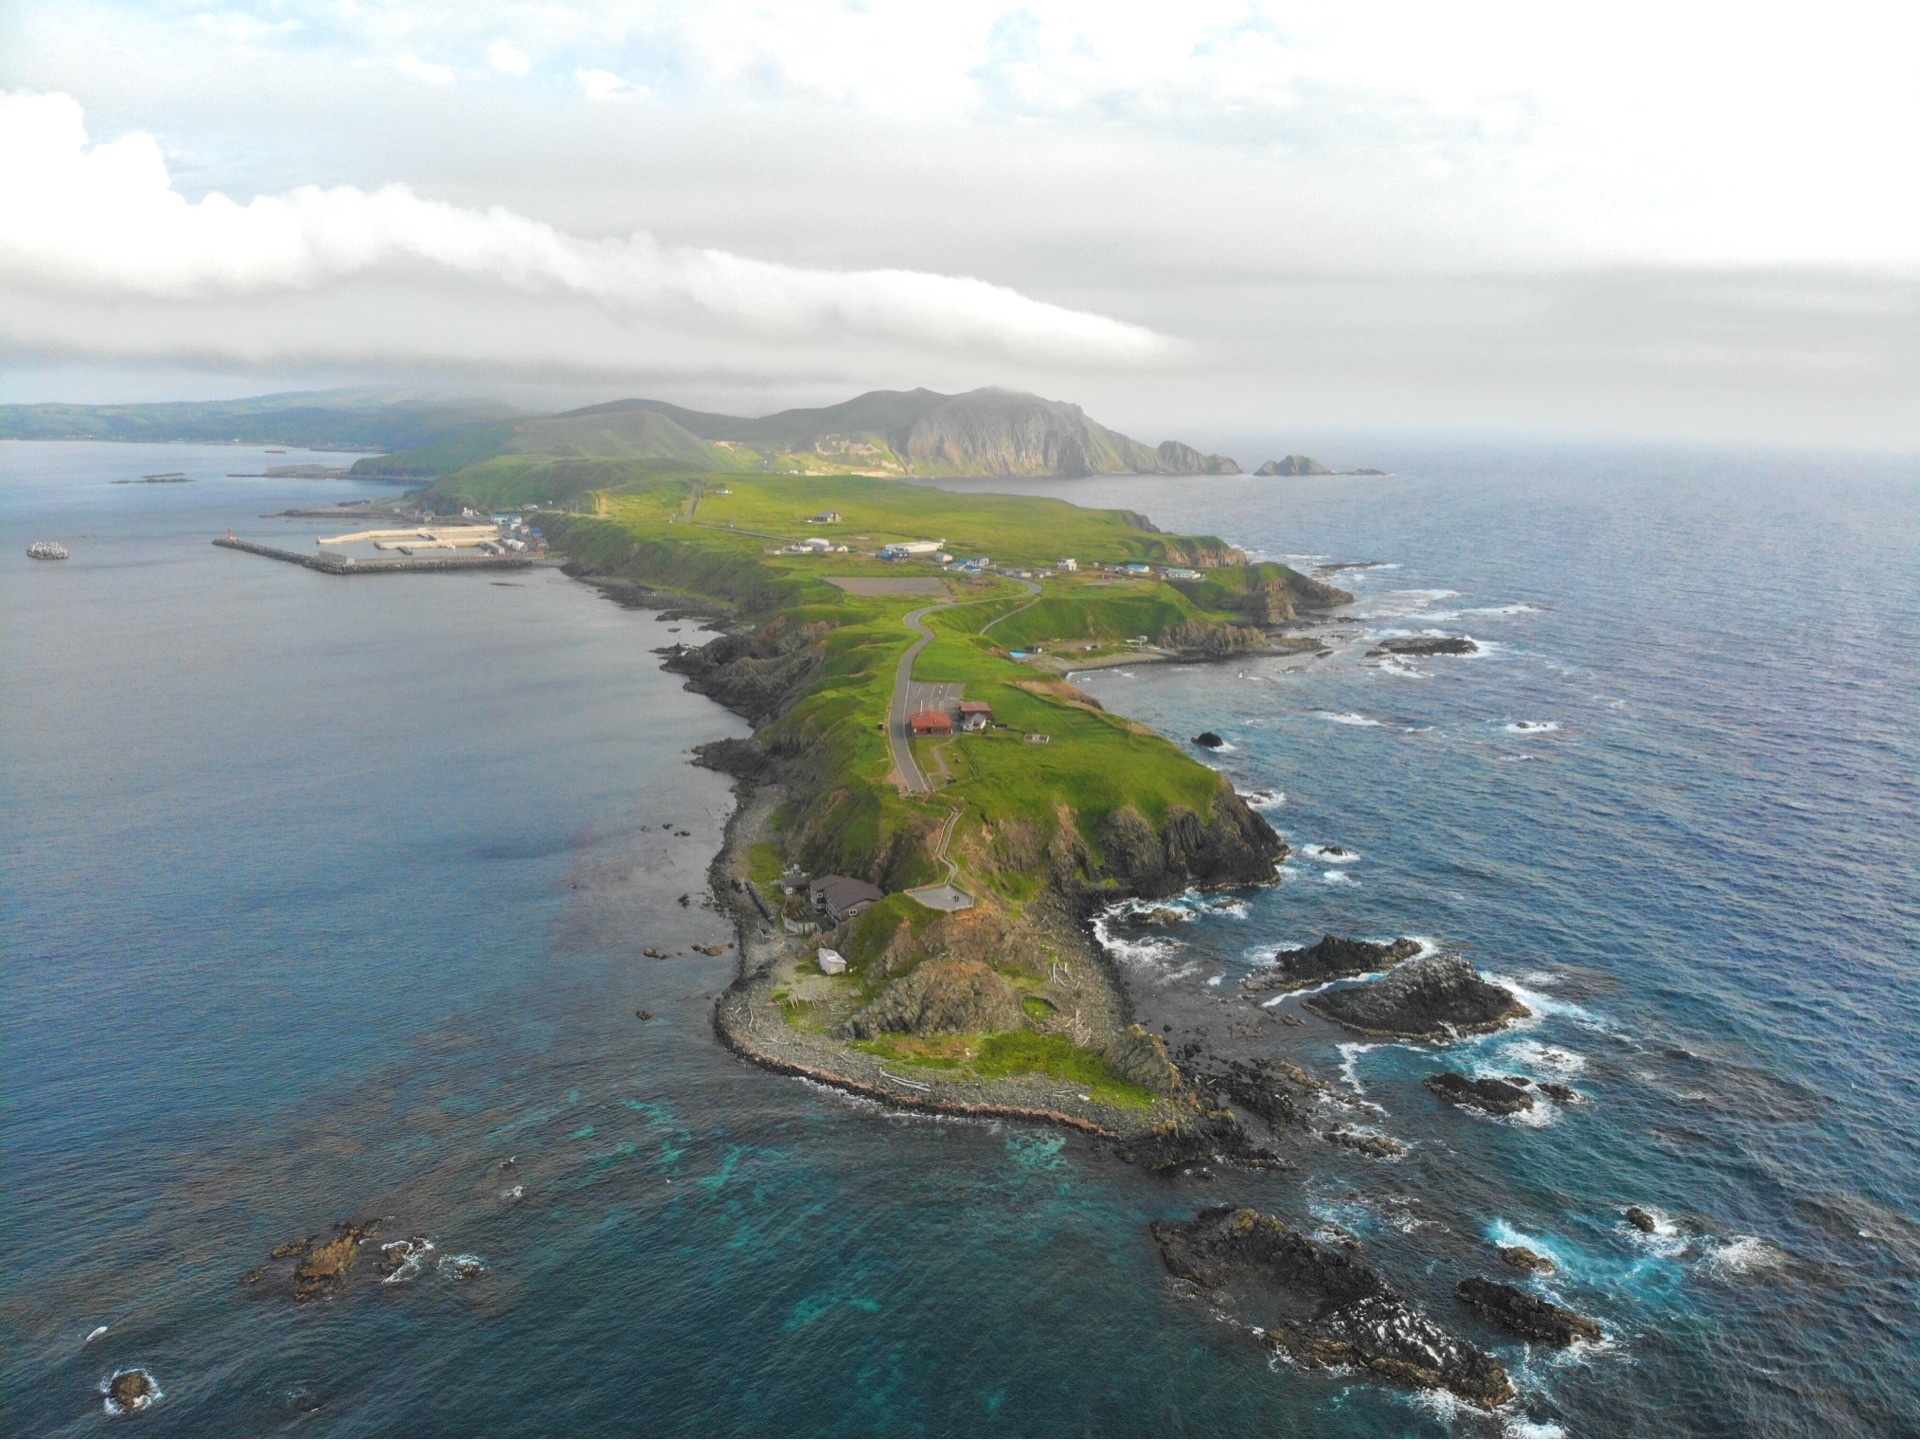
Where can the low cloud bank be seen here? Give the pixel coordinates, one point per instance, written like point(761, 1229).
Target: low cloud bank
point(96, 220)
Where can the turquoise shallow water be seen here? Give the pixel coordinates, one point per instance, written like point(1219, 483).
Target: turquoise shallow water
point(324, 898)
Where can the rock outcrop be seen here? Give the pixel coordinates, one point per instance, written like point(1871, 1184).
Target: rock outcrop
point(1332, 957)
point(1235, 847)
point(1204, 638)
point(757, 672)
point(942, 997)
point(1320, 1304)
point(1527, 1316)
point(1272, 594)
point(1278, 1093)
point(1140, 1057)
point(1435, 997)
point(1495, 1097)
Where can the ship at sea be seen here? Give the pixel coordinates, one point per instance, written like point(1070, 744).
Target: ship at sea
point(48, 550)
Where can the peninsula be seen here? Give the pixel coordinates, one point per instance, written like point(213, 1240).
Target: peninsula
point(930, 813)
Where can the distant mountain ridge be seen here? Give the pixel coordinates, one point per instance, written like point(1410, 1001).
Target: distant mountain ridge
point(923, 432)
point(348, 419)
point(984, 432)
point(883, 432)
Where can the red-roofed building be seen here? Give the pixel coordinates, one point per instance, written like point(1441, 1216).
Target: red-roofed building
point(930, 722)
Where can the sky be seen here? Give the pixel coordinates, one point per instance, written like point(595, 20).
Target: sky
point(1658, 220)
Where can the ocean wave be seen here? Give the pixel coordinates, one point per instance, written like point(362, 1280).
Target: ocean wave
point(1530, 727)
point(408, 1258)
point(1532, 1055)
point(1400, 668)
point(1518, 608)
point(1350, 1053)
point(462, 1267)
point(1346, 717)
point(1743, 1255)
point(1264, 799)
point(1330, 854)
point(1337, 877)
point(1215, 981)
point(1513, 759)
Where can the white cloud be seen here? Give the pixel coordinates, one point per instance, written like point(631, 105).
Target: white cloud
point(93, 220)
point(600, 84)
point(508, 58)
point(418, 69)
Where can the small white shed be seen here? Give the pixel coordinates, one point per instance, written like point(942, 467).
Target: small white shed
point(831, 962)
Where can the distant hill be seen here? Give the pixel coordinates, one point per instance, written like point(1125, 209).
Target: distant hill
point(314, 419)
point(884, 432)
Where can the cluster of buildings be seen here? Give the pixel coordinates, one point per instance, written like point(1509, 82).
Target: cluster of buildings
point(970, 717)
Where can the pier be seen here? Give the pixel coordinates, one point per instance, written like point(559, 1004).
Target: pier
point(347, 565)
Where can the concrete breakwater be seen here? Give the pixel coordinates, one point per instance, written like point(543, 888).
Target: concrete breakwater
point(347, 565)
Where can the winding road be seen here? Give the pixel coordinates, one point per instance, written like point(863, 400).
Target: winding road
point(904, 699)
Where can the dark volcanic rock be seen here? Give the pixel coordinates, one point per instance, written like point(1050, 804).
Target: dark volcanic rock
point(1521, 1258)
point(1194, 1140)
point(1141, 1058)
point(1527, 1316)
point(1236, 847)
point(1208, 739)
point(1334, 958)
point(1496, 1097)
point(1319, 1303)
point(1430, 998)
point(1426, 645)
point(1275, 1091)
point(1641, 1220)
point(1159, 915)
point(1554, 1090)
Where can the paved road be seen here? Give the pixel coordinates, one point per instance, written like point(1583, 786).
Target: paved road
point(909, 696)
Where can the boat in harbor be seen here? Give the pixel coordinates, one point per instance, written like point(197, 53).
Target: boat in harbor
point(48, 550)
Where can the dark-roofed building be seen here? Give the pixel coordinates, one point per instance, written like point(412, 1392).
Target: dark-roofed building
point(841, 897)
point(975, 715)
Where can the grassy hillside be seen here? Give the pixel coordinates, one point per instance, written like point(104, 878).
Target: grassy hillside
point(684, 533)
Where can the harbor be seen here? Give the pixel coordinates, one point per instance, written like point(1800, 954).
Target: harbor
point(349, 565)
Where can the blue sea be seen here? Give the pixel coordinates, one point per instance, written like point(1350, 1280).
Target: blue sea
point(325, 898)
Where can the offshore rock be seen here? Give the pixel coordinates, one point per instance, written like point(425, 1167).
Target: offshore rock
point(1527, 1316)
point(130, 1391)
point(1641, 1220)
point(1207, 739)
point(1294, 465)
point(324, 1270)
point(1435, 997)
point(1377, 1147)
point(1522, 1258)
point(1141, 1057)
point(1426, 645)
point(1182, 459)
point(1334, 957)
point(1320, 1304)
point(1496, 1097)
point(1193, 1140)
point(942, 997)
